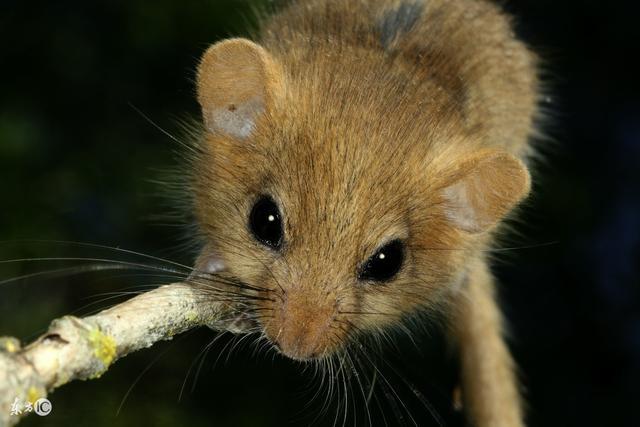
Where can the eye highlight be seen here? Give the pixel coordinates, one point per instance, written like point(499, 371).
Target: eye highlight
point(265, 222)
point(384, 264)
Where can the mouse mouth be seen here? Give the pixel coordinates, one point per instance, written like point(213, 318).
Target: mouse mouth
point(236, 321)
point(241, 323)
point(297, 354)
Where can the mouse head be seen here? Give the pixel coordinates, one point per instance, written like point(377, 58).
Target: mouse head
point(337, 192)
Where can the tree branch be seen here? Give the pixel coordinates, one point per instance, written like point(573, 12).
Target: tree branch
point(84, 348)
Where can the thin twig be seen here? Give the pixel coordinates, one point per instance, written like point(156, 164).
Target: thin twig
point(84, 348)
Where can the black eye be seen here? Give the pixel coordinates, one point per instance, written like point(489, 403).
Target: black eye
point(265, 222)
point(384, 264)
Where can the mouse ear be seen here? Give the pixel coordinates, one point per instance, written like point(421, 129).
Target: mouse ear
point(236, 81)
point(487, 187)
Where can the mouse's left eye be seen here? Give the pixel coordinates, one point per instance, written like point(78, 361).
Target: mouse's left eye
point(384, 264)
point(265, 222)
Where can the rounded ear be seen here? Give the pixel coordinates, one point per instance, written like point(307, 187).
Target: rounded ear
point(237, 80)
point(488, 187)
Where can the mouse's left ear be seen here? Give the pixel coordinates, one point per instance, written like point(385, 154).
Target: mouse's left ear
point(486, 188)
point(237, 80)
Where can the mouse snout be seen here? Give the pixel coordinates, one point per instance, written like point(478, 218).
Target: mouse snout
point(301, 325)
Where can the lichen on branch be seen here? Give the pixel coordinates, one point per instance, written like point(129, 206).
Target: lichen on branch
point(84, 348)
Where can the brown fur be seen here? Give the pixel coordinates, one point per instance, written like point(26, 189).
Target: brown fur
point(366, 125)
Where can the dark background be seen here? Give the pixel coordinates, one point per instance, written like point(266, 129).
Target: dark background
point(78, 163)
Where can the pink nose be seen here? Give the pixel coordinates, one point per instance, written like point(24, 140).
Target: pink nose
point(298, 344)
point(300, 327)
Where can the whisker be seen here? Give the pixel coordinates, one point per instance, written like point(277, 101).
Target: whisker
point(418, 395)
point(166, 133)
point(95, 260)
point(202, 356)
point(373, 313)
point(391, 388)
point(66, 271)
point(100, 246)
point(147, 368)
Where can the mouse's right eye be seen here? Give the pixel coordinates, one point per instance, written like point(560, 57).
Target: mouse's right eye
point(265, 222)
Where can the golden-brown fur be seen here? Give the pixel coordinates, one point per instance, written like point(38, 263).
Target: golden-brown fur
point(368, 121)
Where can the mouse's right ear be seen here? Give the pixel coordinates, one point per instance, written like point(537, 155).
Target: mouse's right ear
point(237, 80)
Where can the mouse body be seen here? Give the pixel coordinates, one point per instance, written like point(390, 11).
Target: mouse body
point(356, 163)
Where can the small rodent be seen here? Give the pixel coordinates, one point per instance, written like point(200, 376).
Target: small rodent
point(356, 162)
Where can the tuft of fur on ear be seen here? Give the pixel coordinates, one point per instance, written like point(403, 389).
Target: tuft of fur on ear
point(236, 81)
point(491, 184)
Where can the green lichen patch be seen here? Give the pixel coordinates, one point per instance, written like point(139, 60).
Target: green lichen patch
point(104, 348)
point(9, 344)
point(35, 393)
